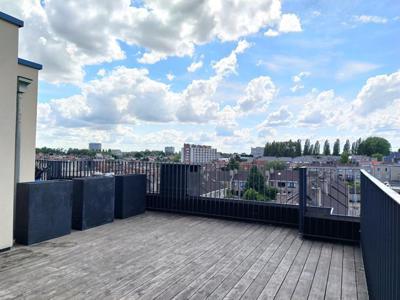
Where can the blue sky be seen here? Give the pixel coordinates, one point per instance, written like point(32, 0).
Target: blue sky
point(119, 73)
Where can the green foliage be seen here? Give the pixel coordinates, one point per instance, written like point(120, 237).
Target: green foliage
point(374, 145)
point(255, 180)
point(306, 150)
point(275, 165)
point(233, 163)
point(298, 148)
point(279, 149)
point(344, 158)
point(327, 148)
point(336, 148)
point(256, 183)
point(346, 147)
point(378, 156)
point(317, 148)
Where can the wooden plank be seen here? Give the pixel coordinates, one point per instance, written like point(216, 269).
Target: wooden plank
point(318, 286)
point(187, 286)
point(242, 285)
point(274, 283)
point(303, 286)
point(158, 284)
point(258, 284)
point(349, 290)
point(362, 288)
point(289, 284)
point(334, 286)
point(230, 281)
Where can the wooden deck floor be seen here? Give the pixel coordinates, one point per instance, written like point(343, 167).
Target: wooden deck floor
point(164, 256)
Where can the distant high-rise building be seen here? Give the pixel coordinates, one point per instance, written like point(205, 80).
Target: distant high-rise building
point(257, 151)
point(169, 150)
point(95, 146)
point(198, 154)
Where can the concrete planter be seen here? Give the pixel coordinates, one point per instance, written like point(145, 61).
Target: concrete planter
point(43, 211)
point(130, 195)
point(93, 203)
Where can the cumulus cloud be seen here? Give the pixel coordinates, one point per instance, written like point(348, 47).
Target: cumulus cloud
point(323, 108)
point(170, 76)
point(128, 95)
point(287, 23)
point(81, 35)
point(280, 117)
point(379, 92)
point(258, 94)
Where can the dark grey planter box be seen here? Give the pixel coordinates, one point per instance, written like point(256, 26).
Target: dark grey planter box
point(130, 195)
point(93, 203)
point(43, 210)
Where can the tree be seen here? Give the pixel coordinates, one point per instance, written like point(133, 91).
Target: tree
point(275, 165)
point(327, 148)
point(346, 147)
point(311, 149)
point(317, 149)
point(233, 164)
point(344, 158)
point(378, 156)
point(357, 146)
point(336, 147)
point(353, 148)
point(255, 180)
point(374, 145)
point(306, 150)
point(298, 148)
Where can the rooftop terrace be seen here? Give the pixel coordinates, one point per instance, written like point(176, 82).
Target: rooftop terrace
point(165, 256)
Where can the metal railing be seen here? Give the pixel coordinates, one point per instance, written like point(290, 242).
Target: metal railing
point(380, 237)
point(211, 180)
point(337, 188)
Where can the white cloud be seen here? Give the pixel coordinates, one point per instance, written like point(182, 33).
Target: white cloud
point(353, 68)
point(194, 66)
point(280, 117)
point(369, 19)
point(287, 23)
point(128, 95)
point(324, 108)
point(170, 76)
point(259, 93)
point(82, 35)
point(228, 65)
point(297, 80)
point(378, 93)
point(101, 73)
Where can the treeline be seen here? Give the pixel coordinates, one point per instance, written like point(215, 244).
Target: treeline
point(372, 146)
point(70, 151)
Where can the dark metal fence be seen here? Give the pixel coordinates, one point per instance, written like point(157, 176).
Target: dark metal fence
point(337, 188)
point(250, 192)
point(380, 238)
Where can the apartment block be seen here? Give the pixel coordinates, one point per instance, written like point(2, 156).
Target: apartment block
point(198, 154)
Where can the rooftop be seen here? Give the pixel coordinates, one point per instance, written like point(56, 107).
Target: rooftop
point(163, 255)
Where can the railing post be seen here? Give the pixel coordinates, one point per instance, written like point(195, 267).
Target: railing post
point(302, 197)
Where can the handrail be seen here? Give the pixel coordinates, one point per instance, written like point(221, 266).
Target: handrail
point(391, 193)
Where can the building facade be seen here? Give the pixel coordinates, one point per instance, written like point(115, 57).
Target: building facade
point(195, 154)
point(169, 150)
point(18, 107)
point(95, 146)
point(257, 152)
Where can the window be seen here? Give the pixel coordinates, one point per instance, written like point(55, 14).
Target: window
point(281, 184)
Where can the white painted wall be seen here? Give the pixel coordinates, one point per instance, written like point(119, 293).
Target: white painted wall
point(28, 125)
point(8, 88)
point(10, 70)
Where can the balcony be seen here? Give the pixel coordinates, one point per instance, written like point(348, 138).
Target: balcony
point(164, 256)
point(199, 239)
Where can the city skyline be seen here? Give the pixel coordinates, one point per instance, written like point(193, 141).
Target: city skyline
point(292, 70)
